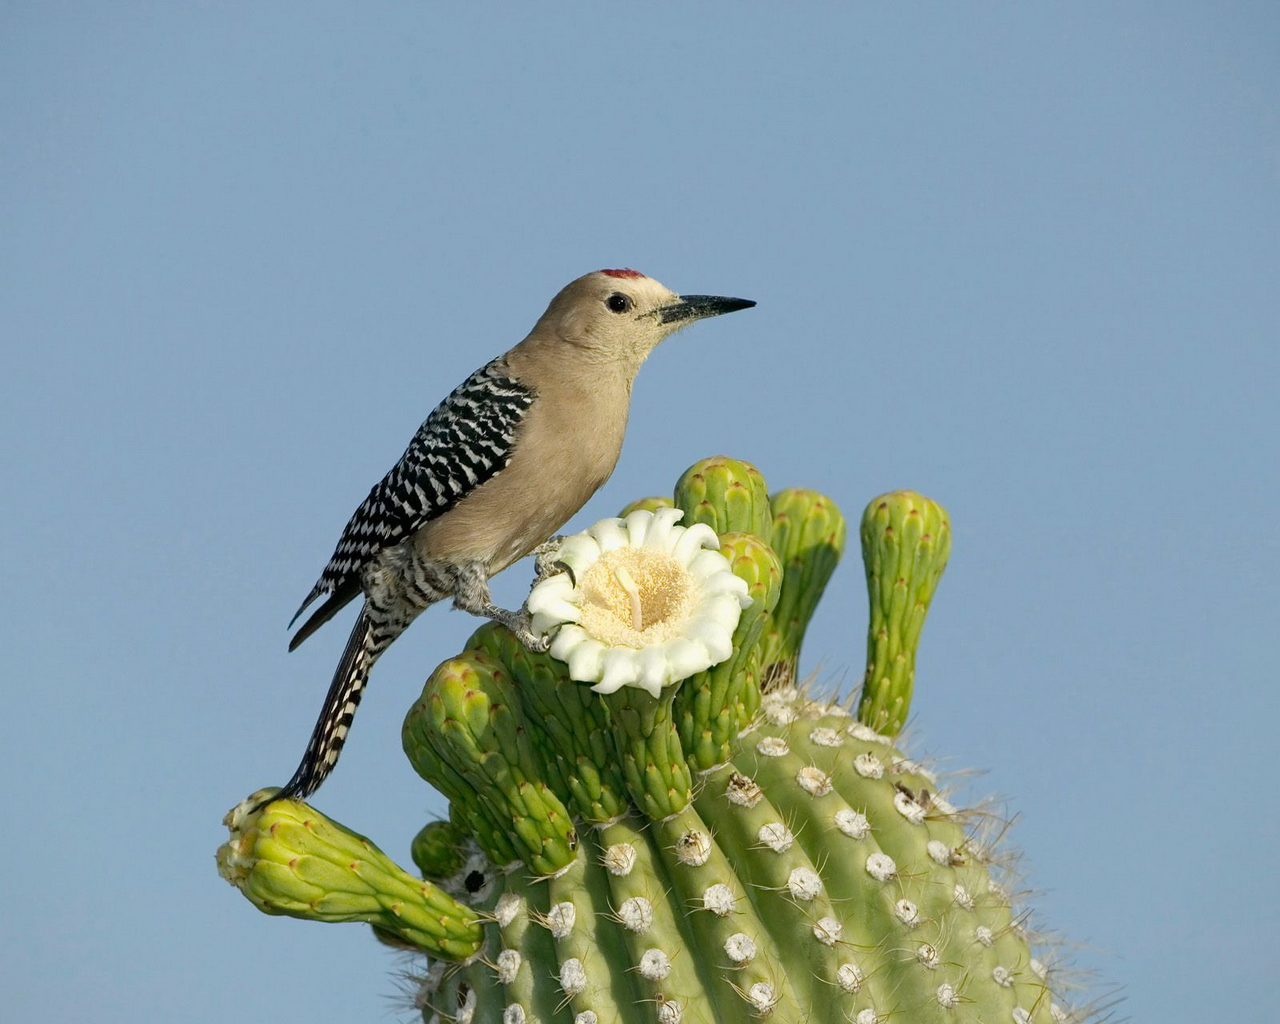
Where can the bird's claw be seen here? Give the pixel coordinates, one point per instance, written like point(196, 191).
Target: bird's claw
point(545, 563)
point(533, 642)
point(521, 626)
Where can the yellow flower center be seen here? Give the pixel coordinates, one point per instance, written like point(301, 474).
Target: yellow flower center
point(633, 597)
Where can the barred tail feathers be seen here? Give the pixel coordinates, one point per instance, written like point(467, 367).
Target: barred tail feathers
point(330, 733)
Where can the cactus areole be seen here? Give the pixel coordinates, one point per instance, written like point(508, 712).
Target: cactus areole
point(657, 821)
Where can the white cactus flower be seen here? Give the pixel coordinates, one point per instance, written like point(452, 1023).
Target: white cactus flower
point(648, 603)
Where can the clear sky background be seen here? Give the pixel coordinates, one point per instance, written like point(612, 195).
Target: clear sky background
point(1024, 258)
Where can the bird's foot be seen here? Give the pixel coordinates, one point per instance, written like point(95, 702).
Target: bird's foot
point(545, 559)
point(472, 595)
point(532, 641)
point(521, 625)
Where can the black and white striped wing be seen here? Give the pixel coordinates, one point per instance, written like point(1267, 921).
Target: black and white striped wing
point(466, 440)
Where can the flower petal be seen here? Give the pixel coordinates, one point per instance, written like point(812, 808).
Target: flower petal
point(699, 535)
point(653, 670)
point(664, 535)
point(706, 563)
point(560, 585)
point(718, 640)
point(579, 552)
point(726, 583)
point(689, 545)
point(620, 669)
point(722, 609)
point(566, 639)
point(686, 657)
point(610, 534)
point(637, 526)
point(586, 660)
point(553, 598)
point(541, 625)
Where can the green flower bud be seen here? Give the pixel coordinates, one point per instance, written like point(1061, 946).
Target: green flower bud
point(712, 707)
point(728, 495)
point(438, 849)
point(646, 505)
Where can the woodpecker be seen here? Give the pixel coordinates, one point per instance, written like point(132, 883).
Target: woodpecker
point(500, 465)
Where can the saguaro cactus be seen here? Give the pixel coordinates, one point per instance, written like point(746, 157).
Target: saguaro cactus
point(650, 846)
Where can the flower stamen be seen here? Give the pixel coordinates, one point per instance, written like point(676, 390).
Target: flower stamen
point(633, 591)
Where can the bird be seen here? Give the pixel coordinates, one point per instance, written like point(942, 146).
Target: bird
point(493, 472)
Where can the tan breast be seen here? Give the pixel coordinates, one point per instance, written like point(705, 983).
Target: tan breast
point(565, 450)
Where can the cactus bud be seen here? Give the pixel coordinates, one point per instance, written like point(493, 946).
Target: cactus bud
point(437, 849)
point(713, 707)
point(646, 505)
point(728, 495)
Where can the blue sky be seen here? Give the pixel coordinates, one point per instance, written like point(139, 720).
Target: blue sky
point(1023, 258)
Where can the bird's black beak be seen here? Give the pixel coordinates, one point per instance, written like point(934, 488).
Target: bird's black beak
point(698, 307)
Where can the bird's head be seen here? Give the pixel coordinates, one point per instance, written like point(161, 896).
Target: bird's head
point(622, 315)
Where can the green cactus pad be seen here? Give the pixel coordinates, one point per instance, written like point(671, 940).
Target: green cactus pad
point(288, 858)
point(906, 539)
point(809, 537)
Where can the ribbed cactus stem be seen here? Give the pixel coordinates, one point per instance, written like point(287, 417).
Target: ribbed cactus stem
point(570, 721)
point(809, 537)
point(288, 858)
point(719, 912)
point(714, 706)
point(731, 849)
point(780, 878)
point(525, 947)
point(906, 539)
point(649, 751)
point(653, 932)
point(729, 495)
point(574, 917)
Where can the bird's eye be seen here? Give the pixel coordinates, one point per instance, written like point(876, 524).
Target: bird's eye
point(618, 302)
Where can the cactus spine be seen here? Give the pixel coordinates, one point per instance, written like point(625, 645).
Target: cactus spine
point(731, 849)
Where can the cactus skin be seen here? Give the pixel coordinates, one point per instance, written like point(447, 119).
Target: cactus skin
point(906, 539)
point(730, 851)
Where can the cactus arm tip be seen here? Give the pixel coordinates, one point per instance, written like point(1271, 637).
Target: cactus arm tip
point(906, 540)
